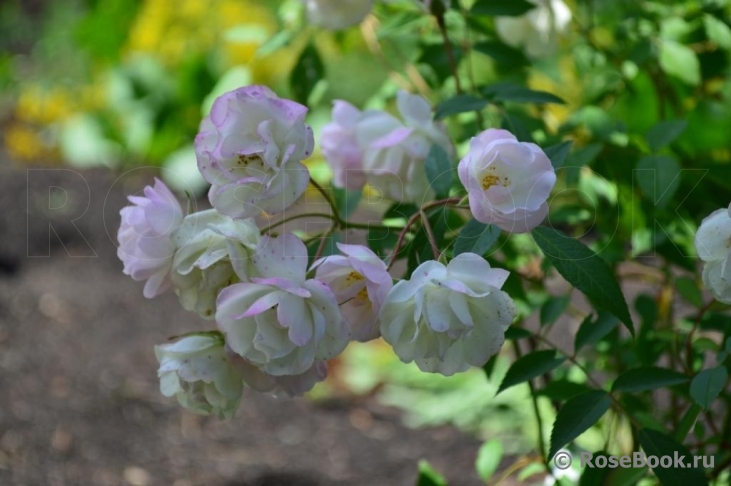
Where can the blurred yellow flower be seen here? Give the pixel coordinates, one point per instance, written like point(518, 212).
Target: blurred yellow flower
point(236, 28)
point(36, 105)
point(25, 144)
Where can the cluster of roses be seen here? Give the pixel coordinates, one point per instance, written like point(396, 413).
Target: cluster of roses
point(278, 321)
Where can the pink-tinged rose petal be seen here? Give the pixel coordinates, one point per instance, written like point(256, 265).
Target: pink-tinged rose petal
point(508, 182)
point(249, 139)
point(145, 245)
point(284, 284)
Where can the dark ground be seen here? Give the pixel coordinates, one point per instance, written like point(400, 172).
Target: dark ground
point(79, 399)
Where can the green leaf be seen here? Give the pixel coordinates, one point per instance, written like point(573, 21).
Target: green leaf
point(476, 237)
point(583, 269)
point(329, 247)
point(717, 31)
point(530, 366)
point(439, 170)
point(435, 57)
point(346, 201)
point(562, 390)
point(306, 73)
point(609, 476)
point(461, 103)
point(576, 416)
point(593, 476)
point(725, 352)
point(647, 378)
point(664, 133)
point(624, 477)
point(590, 331)
point(428, 476)
point(580, 158)
point(507, 8)
point(488, 459)
point(690, 291)
point(518, 94)
point(490, 366)
point(659, 178)
point(680, 61)
point(585, 155)
point(558, 153)
point(514, 333)
point(707, 385)
point(687, 423)
point(553, 308)
point(381, 240)
point(502, 53)
point(657, 444)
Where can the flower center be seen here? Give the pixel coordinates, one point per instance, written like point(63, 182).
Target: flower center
point(492, 179)
point(353, 277)
point(251, 159)
point(362, 295)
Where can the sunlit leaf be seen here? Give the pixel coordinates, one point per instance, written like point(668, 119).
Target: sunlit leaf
point(680, 61)
point(488, 458)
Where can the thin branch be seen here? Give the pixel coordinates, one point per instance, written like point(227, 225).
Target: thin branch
point(449, 51)
point(295, 217)
point(328, 198)
point(430, 234)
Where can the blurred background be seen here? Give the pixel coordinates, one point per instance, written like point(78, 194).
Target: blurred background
point(99, 96)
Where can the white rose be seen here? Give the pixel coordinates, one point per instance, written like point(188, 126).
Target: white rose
point(360, 282)
point(250, 150)
point(713, 244)
point(538, 30)
point(337, 14)
point(198, 372)
point(340, 146)
point(214, 251)
point(145, 245)
point(394, 151)
point(281, 322)
point(447, 319)
point(507, 181)
point(288, 385)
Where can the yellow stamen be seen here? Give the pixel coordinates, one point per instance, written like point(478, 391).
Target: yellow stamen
point(353, 277)
point(490, 180)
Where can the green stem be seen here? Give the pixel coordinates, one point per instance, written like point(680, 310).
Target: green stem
point(430, 234)
point(295, 217)
point(328, 198)
point(536, 411)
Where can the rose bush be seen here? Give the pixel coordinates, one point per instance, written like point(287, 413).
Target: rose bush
point(501, 192)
